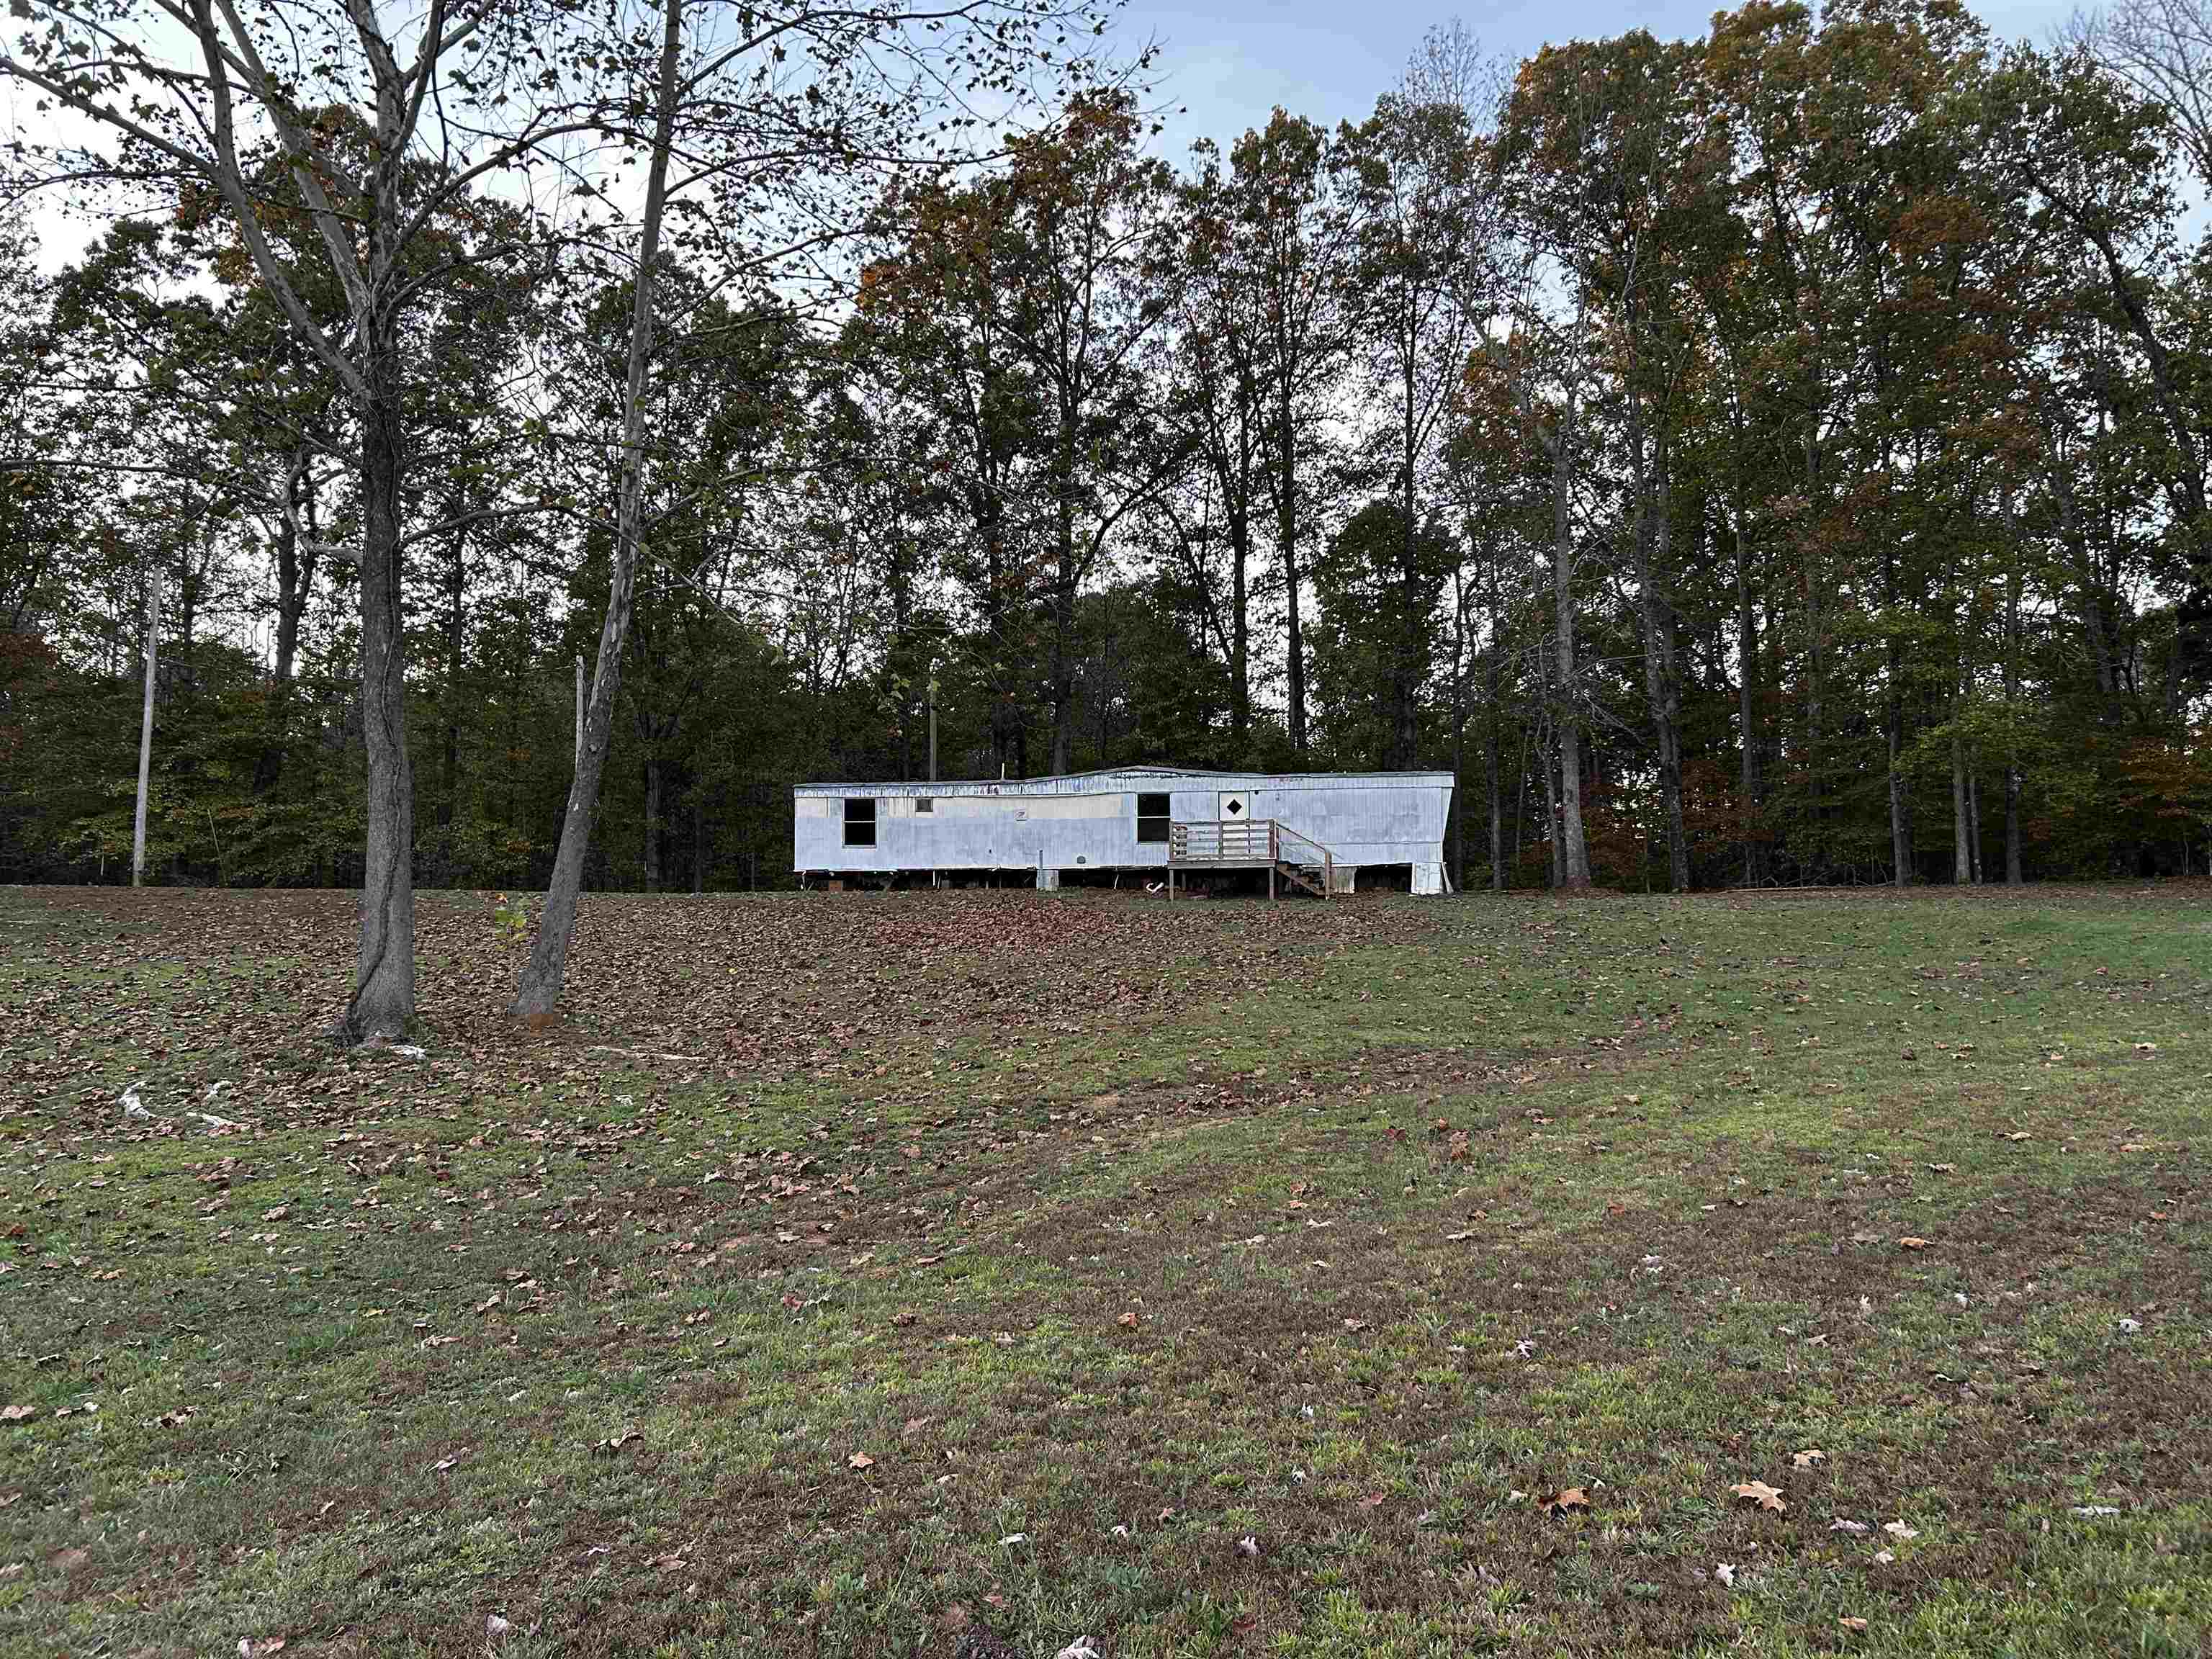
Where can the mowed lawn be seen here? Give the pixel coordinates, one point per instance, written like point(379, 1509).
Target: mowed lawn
point(1380, 1278)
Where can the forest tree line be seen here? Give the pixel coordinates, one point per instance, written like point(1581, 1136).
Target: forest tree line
point(1780, 456)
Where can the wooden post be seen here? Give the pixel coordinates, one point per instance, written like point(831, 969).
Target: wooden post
point(1271, 882)
point(146, 726)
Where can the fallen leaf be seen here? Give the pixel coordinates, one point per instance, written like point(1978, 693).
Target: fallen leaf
point(1910, 1242)
point(1759, 1492)
point(1851, 1623)
point(1944, 1168)
point(16, 1413)
point(1811, 1458)
point(1373, 1500)
point(1856, 1528)
point(1567, 1498)
point(254, 1647)
point(859, 1461)
point(1249, 1545)
point(1898, 1530)
point(1129, 1319)
point(1725, 1571)
point(1883, 1557)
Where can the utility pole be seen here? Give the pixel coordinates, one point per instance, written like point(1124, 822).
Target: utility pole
point(146, 726)
point(933, 722)
point(580, 708)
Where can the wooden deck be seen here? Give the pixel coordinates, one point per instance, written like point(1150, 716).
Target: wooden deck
point(1260, 844)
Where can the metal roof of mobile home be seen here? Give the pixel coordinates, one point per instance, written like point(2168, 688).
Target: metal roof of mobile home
point(1115, 778)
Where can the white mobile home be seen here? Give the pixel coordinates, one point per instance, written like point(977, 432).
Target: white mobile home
point(1314, 829)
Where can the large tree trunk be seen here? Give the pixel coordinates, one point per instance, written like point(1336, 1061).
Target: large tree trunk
point(383, 1000)
point(1573, 849)
point(539, 992)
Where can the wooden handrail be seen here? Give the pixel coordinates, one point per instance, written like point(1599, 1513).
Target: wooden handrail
point(1259, 840)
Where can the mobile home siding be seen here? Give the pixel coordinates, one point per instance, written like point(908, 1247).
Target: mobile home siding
point(1088, 821)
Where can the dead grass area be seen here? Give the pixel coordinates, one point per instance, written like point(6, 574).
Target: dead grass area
point(1388, 1277)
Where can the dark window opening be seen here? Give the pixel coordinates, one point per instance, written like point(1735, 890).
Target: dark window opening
point(1152, 817)
point(860, 821)
point(925, 804)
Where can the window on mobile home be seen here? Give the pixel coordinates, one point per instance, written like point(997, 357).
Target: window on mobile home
point(1152, 817)
point(860, 821)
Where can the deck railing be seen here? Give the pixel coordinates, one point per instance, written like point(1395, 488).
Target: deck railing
point(1254, 841)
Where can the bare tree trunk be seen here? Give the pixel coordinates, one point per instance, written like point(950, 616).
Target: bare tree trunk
point(1459, 740)
point(383, 1000)
point(1064, 593)
point(1287, 536)
point(1750, 785)
point(1815, 655)
point(1490, 690)
point(1653, 538)
point(1572, 849)
point(1901, 815)
point(1240, 631)
point(2013, 876)
point(1552, 773)
point(1962, 851)
point(295, 580)
point(543, 979)
point(1974, 819)
point(146, 726)
point(1892, 724)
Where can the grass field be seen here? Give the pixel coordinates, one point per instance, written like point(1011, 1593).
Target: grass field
point(1385, 1277)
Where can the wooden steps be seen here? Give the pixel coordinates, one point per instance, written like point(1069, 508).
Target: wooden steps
point(1260, 844)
